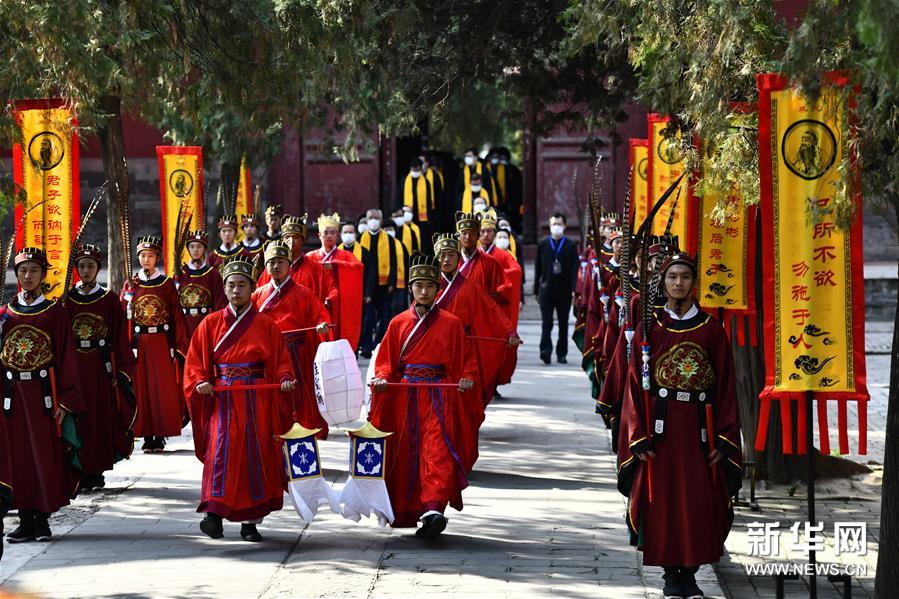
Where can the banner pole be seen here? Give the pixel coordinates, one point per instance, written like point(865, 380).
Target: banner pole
point(810, 483)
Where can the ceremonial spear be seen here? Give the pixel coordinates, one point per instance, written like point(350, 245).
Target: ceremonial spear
point(626, 258)
point(95, 202)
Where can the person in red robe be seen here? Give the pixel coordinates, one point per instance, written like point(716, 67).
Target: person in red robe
point(477, 266)
point(345, 274)
point(158, 332)
point(199, 285)
point(105, 366)
point(489, 336)
point(510, 289)
point(423, 345)
point(306, 272)
point(235, 431)
point(229, 248)
point(301, 318)
point(681, 470)
point(41, 400)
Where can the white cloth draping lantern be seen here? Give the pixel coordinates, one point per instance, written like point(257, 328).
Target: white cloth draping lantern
point(338, 382)
point(365, 491)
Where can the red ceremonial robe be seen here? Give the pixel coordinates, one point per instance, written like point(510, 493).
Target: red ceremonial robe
point(295, 307)
point(201, 293)
point(235, 431)
point(345, 273)
point(423, 471)
point(38, 345)
point(311, 275)
point(466, 301)
point(511, 287)
point(218, 257)
point(157, 329)
point(691, 366)
point(487, 272)
point(101, 342)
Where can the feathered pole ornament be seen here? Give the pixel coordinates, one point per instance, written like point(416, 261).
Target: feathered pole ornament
point(626, 259)
point(182, 228)
point(125, 206)
point(597, 214)
point(76, 241)
point(646, 307)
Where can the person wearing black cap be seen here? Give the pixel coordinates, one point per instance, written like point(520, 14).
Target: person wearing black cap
point(200, 289)
point(41, 399)
point(106, 367)
point(679, 452)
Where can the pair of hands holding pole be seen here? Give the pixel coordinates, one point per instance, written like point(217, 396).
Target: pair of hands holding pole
point(378, 384)
point(206, 388)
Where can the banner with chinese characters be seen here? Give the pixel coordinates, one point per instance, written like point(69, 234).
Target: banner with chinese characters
point(180, 183)
point(814, 280)
point(639, 163)
point(244, 204)
point(665, 165)
point(45, 165)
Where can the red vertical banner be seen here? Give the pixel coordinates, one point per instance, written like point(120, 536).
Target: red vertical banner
point(814, 279)
point(45, 165)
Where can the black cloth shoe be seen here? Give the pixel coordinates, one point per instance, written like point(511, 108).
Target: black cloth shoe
point(545, 357)
point(673, 588)
point(211, 524)
point(159, 445)
point(688, 583)
point(249, 533)
point(562, 360)
point(431, 527)
point(42, 532)
point(92, 482)
point(25, 531)
point(365, 354)
point(147, 447)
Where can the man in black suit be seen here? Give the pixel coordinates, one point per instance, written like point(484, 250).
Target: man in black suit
point(555, 274)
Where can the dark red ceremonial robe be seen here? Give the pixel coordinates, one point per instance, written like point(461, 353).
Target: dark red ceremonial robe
point(345, 274)
point(423, 470)
point(484, 359)
point(254, 253)
point(691, 366)
point(487, 272)
point(295, 307)
point(235, 432)
point(106, 367)
point(38, 350)
point(157, 331)
point(218, 257)
point(201, 293)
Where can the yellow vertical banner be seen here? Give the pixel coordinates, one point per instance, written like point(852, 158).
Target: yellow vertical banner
point(665, 165)
point(45, 166)
point(244, 204)
point(639, 164)
point(180, 184)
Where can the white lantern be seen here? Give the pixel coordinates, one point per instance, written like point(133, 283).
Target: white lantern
point(338, 382)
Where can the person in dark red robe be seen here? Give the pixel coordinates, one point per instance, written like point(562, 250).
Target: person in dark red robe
point(273, 215)
point(105, 366)
point(489, 336)
point(229, 248)
point(423, 345)
point(476, 265)
point(199, 285)
point(306, 272)
point(679, 452)
point(251, 245)
point(302, 319)
point(235, 431)
point(158, 332)
point(41, 400)
point(345, 274)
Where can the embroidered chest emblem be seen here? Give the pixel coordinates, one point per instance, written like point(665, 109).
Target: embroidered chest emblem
point(89, 326)
point(685, 366)
point(194, 296)
point(26, 348)
point(149, 311)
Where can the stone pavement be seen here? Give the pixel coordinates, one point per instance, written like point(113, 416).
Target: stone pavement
point(542, 519)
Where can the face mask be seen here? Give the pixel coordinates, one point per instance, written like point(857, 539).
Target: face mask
point(348, 238)
point(475, 188)
point(363, 227)
point(399, 221)
point(494, 161)
point(392, 233)
point(415, 174)
point(502, 243)
point(374, 225)
point(407, 217)
point(469, 160)
point(480, 207)
point(556, 230)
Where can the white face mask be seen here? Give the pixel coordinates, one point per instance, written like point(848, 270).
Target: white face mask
point(374, 225)
point(348, 238)
point(494, 161)
point(415, 174)
point(556, 230)
point(469, 160)
point(392, 233)
point(399, 221)
point(363, 227)
point(475, 188)
point(480, 207)
point(407, 217)
point(502, 243)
